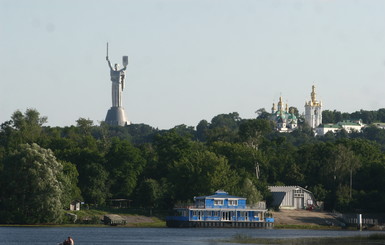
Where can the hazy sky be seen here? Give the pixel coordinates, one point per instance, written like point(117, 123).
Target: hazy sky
point(189, 59)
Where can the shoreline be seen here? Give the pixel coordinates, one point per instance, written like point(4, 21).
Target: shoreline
point(358, 239)
point(163, 225)
point(284, 219)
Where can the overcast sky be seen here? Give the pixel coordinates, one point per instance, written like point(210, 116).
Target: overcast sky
point(189, 59)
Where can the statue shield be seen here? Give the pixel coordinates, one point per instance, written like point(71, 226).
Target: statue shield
point(125, 61)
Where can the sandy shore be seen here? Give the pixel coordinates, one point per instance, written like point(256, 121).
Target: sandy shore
point(304, 217)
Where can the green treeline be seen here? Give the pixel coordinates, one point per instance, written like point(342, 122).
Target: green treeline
point(42, 169)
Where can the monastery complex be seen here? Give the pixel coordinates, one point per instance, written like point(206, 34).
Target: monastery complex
point(286, 120)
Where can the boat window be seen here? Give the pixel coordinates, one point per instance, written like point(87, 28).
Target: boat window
point(218, 201)
point(233, 202)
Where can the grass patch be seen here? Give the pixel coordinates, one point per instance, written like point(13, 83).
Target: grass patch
point(93, 217)
point(135, 211)
point(157, 223)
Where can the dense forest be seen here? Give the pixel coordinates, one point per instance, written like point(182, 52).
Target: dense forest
point(42, 169)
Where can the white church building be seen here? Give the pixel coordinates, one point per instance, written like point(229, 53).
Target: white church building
point(285, 121)
point(313, 111)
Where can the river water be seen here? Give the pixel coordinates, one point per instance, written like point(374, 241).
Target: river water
point(117, 235)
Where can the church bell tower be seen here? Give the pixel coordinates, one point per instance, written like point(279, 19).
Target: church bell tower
point(313, 110)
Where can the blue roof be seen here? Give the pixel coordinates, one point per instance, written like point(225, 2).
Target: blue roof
point(219, 194)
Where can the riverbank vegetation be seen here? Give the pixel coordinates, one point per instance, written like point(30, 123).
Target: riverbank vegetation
point(43, 169)
point(134, 217)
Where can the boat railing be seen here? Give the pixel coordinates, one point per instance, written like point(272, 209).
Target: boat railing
point(188, 205)
point(258, 205)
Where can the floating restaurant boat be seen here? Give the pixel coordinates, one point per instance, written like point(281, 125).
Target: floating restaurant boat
point(221, 210)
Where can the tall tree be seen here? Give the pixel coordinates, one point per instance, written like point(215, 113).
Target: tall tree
point(341, 166)
point(84, 125)
point(239, 156)
point(32, 186)
point(249, 191)
point(201, 130)
point(124, 164)
point(94, 183)
point(200, 173)
point(251, 130)
point(171, 147)
point(262, 114)
point(224, 127)
point(149, 193)
point(69, 178)
point(23, 128)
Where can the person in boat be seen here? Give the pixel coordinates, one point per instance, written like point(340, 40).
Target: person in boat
point(69, 241)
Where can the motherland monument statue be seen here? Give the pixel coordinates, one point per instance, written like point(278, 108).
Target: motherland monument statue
point(116, 115)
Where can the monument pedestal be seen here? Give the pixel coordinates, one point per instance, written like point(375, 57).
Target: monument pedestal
point(116, 117)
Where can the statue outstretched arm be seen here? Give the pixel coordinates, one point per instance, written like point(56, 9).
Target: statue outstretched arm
point(109, 63)
point(123, 69)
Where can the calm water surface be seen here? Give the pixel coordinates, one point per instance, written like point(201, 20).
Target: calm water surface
point(116, 235)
